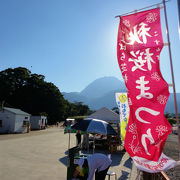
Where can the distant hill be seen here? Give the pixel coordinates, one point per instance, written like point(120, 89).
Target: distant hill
point(170, 107)
point(101, 93)
point(102, 86)
point(74, 97)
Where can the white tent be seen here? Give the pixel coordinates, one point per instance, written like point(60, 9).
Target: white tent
point(106, 115)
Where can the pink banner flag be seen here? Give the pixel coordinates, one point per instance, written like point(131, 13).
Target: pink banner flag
point(138, 50)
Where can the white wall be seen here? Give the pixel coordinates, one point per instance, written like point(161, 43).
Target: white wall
point(19, 123)
point(35, 122)
point(38, 121)
point(44, 119)
point(8, 122)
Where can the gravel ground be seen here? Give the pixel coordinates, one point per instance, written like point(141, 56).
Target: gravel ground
point(171, 150)
point(30, 134)
point(42, 155)
point(9, 143)
point(38, 155)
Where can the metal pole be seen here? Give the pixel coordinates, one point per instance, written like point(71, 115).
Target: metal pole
point(69, 142)
point(93, 143)
point(68, 164)
point(172, 74)
point(178, 4)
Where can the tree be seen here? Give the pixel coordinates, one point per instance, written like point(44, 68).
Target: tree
point(31, 93)
point(78, 109)
point(11, 80)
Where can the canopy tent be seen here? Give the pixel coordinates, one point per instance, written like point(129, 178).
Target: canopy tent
point(94, 126)
point(106, 115)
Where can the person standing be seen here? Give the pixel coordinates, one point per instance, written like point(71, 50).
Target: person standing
point(85, 142)
point(78, 138)
point(96, 163)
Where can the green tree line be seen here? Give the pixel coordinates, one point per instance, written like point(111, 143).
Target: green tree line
point(19, 88)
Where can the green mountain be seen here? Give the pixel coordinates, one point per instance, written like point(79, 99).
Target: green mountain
point(101, 93)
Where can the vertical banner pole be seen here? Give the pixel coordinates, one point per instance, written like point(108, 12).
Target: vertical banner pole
point(172, 74)
point(93, 143)
point(178, 4)
point(69, 142)
point(68, 156)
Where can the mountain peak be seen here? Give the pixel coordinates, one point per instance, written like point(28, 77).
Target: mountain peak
point(102, 86)
point(101, 93)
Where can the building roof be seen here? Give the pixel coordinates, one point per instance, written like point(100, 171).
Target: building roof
point(106, 115)
point(16, 111)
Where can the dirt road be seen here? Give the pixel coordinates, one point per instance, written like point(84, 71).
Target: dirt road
point(34, 156)
point(42, 155)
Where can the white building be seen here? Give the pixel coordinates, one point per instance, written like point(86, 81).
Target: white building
point(13, 120)
point(38, 122)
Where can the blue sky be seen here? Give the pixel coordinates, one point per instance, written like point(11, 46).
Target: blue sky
point(73, 42)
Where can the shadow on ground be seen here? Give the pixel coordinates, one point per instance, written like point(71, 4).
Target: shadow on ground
point(116, 157)
point(123, 163)
point(63, 160)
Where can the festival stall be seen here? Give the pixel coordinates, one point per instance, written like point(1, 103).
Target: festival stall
point(113, 119)
point(88, 126)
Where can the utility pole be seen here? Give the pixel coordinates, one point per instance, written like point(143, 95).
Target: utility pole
point(172, 74)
